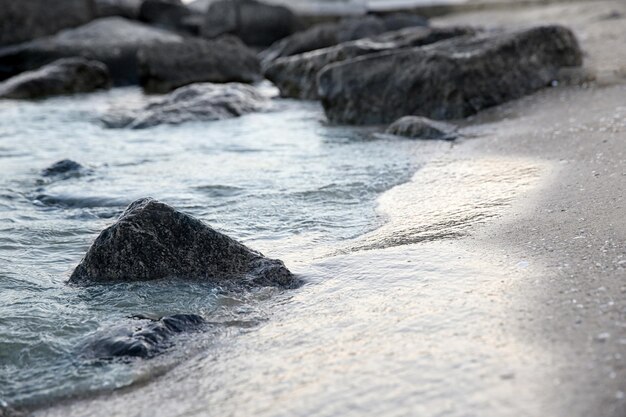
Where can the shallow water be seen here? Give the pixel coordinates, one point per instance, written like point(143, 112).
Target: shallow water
point(281, 181)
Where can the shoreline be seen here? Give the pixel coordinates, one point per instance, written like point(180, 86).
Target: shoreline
point(549, 246)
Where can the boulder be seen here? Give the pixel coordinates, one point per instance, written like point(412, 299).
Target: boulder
point(23, 20)
point(192, 103)
point(124, 8)
point(324, 35)
point(296, 76)
point(166, 14)
point(255, 23)
point(145, 339)
point(163, 68)
point(416, 127)
point(111, 40)
point(449, 79)
point(64, 76)
point(152, 240)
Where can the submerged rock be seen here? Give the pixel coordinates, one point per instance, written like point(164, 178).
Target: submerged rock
point(24, 20)
point(324, 35)
point(195, 102)
point(144, 341)
point(64, 167)
point(64, 76)
point(152, 240)
point(447, 80)
point(417, 127)
point(163, 68)
point(256, 23)
point(296, 76)
point(112, 40)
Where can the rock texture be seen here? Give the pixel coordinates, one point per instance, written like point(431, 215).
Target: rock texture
point(166, 14)
point(163, 68)
point(324, 35)
point(65, 76)
point(24, 20)
point(64, 168)
point(112, 40)
point(447, 80)
point(152, 240)
point(145, 340)
point(416, 127)
point(296, 76)
point(193, 103)
point(255, 23)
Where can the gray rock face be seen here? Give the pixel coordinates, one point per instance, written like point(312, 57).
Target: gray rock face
point(325, 35)
point(296, 76)
point(255, 23)
point(29, 19)
point(163, 68)
point(124, 8)
point(447, 80)
point(112, 40)
point(151, 240)
point(193, 103)
point(167, 14)
point(65, 76)
point(416, 127)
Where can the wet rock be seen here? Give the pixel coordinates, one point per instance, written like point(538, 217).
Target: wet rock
point(200, 6)
point(29, 19)
point(195, 102)
point(152, 240)
point(163, 68)
point(167, 14)
point(64, 167)
point(64, 76)
point(124, 8)
point(254, 22)
point(112, 40)
point(325, 35)
point(397, 21)
point(417, 127)
point(145, 340)
point(447, 80)
point(296, 76)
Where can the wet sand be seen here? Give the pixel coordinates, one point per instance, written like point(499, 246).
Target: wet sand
point(495, 288)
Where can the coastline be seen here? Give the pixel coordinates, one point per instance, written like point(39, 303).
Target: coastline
point(551, 242)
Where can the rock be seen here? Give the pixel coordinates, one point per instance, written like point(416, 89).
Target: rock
point(325, 35)
point(111, 40)
point(23, 20)
point(417, 127)
point(65, 76)
point(166, 14)
point(145, 341)
point(199, 6)
point(163, 68)
point(152, 240)
point(124, 8)
point(64, 167)
point(449, 79)
point(296, 76)
point(255, 23)
point(195, 102)
point(397, 21)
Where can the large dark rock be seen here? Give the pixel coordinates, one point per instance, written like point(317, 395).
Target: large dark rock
point(145, 339)
point(112, 40)
point(447, 80)
point(255, 23)
point(65, 76)
point(167, 14)
point(124, 8)
point(416, 127)
point(152, 240)
point(163, 68)
point(296, 76)
point(192, 103)
point(63, 168)
point(325, 35)
point(23, 20)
